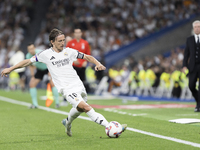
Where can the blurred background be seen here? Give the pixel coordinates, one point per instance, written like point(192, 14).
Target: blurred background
point(140, 42)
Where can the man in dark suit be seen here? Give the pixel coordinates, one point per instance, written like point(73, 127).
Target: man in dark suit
point(191, 62)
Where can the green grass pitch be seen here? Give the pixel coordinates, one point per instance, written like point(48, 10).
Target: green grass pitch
point(36, 129)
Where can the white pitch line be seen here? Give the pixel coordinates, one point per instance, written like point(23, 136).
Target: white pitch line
point(39, 107)
point(86, 118)
point(123, 112)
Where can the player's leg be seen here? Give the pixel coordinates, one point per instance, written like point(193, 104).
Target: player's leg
point(56, 96)
point(33, 83)
point(33, 91)
point(73, 99)
point(73, 114)
point(75, 111)
point(22, 80)
point(55, 93)
point(78, 100)
point(94, 116)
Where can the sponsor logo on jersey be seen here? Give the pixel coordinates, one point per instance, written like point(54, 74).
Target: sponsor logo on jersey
point(52, 58)
point(62, 62)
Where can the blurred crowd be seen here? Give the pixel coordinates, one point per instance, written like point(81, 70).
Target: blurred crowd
point(108, 25)
point(159, 76)
point(15, 16)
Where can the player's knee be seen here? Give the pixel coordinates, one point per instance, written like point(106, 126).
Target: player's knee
point(80, 109)
point(82, 106)
point(87, 108)
point(31, 84)
point(34, 82)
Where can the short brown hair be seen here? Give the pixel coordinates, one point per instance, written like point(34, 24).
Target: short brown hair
point(30, 43)
point(53, 34)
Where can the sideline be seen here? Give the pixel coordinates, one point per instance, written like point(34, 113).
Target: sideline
point(86, 118)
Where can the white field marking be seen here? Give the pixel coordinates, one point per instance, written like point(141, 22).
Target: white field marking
point(45, 97)
point(86, 118)
point(165, 137)
point(123, 112)
point(39, 107)
point(89, 97)
point(187, 114)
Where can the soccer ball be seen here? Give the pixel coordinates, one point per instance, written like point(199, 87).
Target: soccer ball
point(113, 129)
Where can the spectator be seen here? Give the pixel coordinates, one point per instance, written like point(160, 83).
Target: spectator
point(82, 46)
point(15, 59)
point(118, 18)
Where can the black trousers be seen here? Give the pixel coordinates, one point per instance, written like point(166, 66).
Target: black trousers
point(193, 76)
point(81, 73)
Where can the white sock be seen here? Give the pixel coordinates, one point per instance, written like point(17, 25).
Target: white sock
point(73, 114)
point(97, 117)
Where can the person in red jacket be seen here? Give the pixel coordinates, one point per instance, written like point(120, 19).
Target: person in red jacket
point(82, 46)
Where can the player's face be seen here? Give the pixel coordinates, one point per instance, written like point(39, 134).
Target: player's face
point(58, 44)
point(196, 28)
point(77, 33)
point(31, 49)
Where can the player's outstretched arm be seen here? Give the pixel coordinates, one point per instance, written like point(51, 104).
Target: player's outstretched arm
point(21, 64)
point(91, 59)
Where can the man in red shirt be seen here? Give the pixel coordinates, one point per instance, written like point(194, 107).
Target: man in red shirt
point(82, 46)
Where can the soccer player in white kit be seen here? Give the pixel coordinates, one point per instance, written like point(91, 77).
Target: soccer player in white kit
point(59, 62)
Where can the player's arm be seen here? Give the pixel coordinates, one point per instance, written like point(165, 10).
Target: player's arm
point(87, 51)
point(21, 64)
point(32, 70)
point(91, 59)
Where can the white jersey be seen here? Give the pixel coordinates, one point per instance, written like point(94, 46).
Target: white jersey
point(60, 67)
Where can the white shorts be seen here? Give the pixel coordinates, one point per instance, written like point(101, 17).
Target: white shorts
point(74, 98)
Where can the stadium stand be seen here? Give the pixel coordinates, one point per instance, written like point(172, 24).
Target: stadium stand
point(110, 24)
point(15, 16)
point(107, 26)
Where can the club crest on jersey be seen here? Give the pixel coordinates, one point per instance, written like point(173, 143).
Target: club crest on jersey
point(65, 54)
